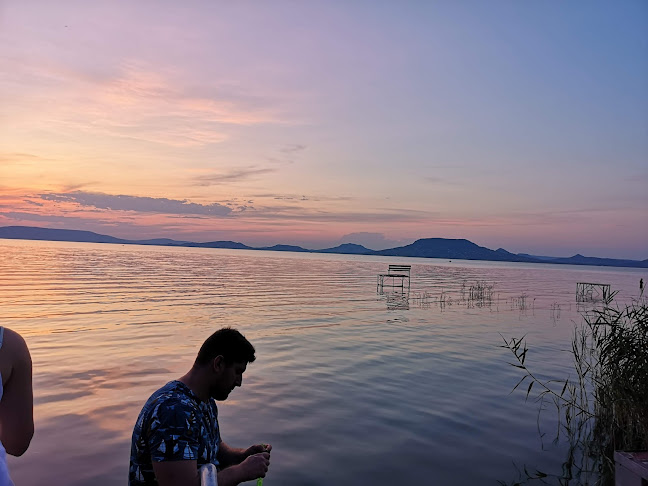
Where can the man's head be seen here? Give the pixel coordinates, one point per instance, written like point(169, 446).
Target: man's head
point(224, 357)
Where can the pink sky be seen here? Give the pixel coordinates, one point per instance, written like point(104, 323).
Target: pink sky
point(514, 125)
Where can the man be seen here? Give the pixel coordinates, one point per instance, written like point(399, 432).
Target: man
point(177, 430)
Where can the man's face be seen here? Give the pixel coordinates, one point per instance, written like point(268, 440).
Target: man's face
point(228, 378)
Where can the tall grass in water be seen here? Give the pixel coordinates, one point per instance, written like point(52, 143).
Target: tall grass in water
point(604, 407)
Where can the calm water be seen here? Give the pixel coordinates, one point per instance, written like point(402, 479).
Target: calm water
point(351, 387)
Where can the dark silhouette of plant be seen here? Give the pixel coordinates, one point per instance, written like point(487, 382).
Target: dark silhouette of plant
point(605, 406)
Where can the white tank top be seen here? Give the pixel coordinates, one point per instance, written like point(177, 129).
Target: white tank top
point(5, 480)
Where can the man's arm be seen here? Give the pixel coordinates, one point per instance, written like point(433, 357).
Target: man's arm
point(229, 456)
point(253, 467)
point(185, 473)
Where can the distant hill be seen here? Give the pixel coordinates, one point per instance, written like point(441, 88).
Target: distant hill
point(605, 262)
point(33, 233)
point(160, 241)
point(232, 245)
point(452, 248)
point(348, 249)
point(283, 248)
point(537, 257)
point(459, 249)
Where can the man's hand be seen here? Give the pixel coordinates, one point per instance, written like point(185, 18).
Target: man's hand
point(257, 448)
point(253, 467)
point(256, 465)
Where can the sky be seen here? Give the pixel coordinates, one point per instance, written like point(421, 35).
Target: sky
point(520, 125)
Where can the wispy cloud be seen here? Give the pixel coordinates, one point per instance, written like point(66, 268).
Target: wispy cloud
point(138, 204)
point(33, 203)
point(303, 197)
point(441, 181)
point(232, 175)
point(21, 216)
point(639, 177)
point(297, 212)
point(293, 148)
point(138, 102)
point(12, 163)
point(8, 157)
point(75, 187)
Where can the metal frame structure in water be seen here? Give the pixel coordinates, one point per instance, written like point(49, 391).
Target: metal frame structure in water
point(592, 292)
point(401, 272)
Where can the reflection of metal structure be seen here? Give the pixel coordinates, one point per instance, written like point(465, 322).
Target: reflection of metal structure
point(397, 300)
point(592, 292)
point(394, 272)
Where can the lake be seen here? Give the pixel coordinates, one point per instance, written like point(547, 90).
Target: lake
point(351, 386)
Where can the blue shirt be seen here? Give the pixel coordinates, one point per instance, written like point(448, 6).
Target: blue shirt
point(174, 425)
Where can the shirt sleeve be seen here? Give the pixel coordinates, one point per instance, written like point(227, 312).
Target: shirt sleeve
point(173, 432)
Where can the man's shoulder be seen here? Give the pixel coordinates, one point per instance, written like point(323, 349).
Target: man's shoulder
point(172, 397)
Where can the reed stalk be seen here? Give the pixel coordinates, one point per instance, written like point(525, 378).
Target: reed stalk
point(604, 406)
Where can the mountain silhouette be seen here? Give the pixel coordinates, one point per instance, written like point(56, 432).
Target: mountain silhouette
point(453, 248)
point(33, 233)
point(458, 249)
point(348, 249)
point(283, 248)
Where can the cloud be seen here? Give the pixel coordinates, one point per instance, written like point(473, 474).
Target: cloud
point(18, 157)
point(293, 148)
point(75, 187)
point(296, 212)
point(138, 101)
point(34, 203)
point(16, 160)
point(287, 154)
point(139, 204)
point(638, 177)
point(25, 216)
point(442, 181)
point(301, 197)
point(232, 175)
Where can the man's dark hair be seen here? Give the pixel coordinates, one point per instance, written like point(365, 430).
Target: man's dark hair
point(228, 343)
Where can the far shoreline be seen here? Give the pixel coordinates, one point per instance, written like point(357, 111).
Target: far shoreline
point(449, 246)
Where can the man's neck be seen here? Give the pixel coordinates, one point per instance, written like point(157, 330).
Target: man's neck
point(196, 382)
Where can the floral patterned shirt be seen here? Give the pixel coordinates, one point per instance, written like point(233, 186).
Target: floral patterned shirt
point(174, 425)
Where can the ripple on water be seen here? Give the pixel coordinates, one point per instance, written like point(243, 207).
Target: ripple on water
point(348, 387)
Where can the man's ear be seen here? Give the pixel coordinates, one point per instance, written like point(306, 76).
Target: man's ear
point(218, 363)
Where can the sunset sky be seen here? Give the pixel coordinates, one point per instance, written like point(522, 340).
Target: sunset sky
point(514, 124)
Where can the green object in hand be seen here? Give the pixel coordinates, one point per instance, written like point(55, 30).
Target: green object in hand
point(260, 480)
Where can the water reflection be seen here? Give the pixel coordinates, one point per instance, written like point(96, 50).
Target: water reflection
point(339, 368)
point(397, 300)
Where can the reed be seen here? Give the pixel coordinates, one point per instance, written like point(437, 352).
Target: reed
point(481, 291)
point(604, 407)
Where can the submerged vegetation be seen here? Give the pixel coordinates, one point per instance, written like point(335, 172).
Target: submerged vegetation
point(480, 294)
point(604, 406)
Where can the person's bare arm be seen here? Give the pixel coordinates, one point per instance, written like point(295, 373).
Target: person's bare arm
point(17, 405)
point(185, 473)
point(253, 467)
point(228, 456)
point(176, 473)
